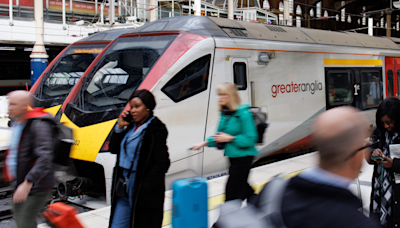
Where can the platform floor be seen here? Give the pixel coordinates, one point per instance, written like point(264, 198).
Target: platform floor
point(216, 187)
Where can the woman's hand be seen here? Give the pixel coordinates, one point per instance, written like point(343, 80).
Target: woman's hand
point(121, 122)
point(222, 137)
point(387, 163)
point(199, 145)
point(377, 152)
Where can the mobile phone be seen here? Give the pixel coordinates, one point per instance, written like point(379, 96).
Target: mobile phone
point(128, 118)
point(377, 158)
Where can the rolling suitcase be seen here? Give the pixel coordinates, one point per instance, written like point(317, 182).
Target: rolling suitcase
point(189, 203)
point(60, 215)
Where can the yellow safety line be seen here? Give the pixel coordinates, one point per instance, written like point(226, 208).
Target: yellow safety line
point(353, 62)
point(4, 139)
point(215, 201)
point(4, 120)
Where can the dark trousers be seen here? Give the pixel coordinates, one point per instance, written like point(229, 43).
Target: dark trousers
point(237, 186)
point(25, 213)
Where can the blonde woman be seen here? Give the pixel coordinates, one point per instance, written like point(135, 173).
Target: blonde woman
point(237, 135)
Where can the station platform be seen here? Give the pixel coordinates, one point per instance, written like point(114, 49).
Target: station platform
point(259, 176)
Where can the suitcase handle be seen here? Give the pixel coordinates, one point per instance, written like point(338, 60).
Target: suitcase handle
point(194, 182)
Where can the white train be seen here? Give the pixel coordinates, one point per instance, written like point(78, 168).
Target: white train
point(295, 73)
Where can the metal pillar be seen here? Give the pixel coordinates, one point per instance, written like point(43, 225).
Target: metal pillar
point(153, 12)
point(64, 20)
point(10, 9)
point(389, 23)
point(111, 12)
point(95, 5)
point(197, 8)
point(370, 26)
point(173, 8)
point(286, 12)
point(38, 55)
point(102, 13)
point(230, 9)
point(70, 5)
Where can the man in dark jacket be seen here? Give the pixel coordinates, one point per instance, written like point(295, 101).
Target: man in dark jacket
point(29, 159)
point(319, 197)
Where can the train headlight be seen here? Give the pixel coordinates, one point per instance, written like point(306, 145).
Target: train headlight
point(263, 58)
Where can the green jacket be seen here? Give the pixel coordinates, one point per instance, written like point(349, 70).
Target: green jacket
point(241, 125)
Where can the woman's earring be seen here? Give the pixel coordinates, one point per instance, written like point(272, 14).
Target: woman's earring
point(148, 110)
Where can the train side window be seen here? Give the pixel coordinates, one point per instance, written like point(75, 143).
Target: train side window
point(390, 82)
point(240, 75)
point(340, 87)
point(190, 81)
point(371, 88)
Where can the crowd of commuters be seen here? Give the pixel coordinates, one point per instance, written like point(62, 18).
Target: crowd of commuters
point(318, 197)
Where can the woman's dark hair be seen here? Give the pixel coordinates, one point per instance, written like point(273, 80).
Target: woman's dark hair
point(147, 98)
point(390, 107)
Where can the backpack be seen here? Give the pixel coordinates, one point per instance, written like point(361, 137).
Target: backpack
point(63, 141)
point(268, 215)
point(260, 119)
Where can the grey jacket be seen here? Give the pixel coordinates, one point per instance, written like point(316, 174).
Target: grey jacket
point(35, 152)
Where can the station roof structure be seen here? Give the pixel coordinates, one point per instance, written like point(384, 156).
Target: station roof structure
point(338, 15)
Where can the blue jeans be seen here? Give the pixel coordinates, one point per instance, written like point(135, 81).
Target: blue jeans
point(122, 213)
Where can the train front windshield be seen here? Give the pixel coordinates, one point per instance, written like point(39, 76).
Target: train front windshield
point(64, 74)
point(125, 64)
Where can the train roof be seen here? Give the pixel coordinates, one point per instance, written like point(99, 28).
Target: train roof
point(221, 27)
point(106, 35)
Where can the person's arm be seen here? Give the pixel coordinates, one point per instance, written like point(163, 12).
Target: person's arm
point(248, 136)
point(160, 156)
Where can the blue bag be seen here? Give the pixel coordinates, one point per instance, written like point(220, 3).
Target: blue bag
point(189, 203)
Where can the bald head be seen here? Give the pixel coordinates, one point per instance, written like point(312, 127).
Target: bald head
point(19, 102)
point(339, 132)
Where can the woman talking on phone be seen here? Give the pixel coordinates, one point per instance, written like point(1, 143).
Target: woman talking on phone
point(138, 185)
point(237, 135)
point(385, 195)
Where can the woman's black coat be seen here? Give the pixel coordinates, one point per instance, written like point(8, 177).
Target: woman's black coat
point(394, 220)
point(149, 187)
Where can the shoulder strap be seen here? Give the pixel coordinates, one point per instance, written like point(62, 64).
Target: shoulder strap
point(271, 201)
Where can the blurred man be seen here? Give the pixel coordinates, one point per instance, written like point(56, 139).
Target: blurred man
point(29, 160)
point(319, 197)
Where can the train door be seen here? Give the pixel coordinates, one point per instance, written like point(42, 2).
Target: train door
point(390, 74)
point(396, 77)
point(240, 78)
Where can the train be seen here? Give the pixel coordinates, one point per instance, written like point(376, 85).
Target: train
point(294, 74)
point(64, 71)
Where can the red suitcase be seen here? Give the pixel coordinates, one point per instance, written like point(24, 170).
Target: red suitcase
point(61, 215)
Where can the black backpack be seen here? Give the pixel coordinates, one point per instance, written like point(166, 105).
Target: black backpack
point(260, 119)
point(63, 141)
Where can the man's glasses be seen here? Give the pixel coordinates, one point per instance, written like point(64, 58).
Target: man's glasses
point(362, 148)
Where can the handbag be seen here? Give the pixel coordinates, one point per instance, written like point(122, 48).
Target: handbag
point(122, 182)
